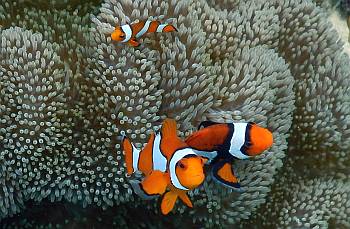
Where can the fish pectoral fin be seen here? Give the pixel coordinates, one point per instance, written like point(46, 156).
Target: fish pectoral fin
point(138, 190)
point(184, 197)
point(155, 183)
point(222, 173)
point(168, 202)
point(133, 42)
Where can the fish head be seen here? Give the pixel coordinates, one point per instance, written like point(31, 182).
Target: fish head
point(118, 34)
point(260, 139)
point(189, 171)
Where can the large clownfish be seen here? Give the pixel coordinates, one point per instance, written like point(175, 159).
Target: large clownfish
point(130, 33)
point(168, 164)
point(221, 143)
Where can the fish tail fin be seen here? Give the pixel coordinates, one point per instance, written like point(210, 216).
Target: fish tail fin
point(169, 28)
point(129, 150)
point(169, 127)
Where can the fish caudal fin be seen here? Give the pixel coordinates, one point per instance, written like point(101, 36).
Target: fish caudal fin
point(169, 28)
point(184, 197)
point(169, 127)
point(168, 202)
point(129, 151)
point(222, 173)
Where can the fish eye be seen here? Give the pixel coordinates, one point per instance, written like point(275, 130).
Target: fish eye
point(181, 165)
point(122, 36)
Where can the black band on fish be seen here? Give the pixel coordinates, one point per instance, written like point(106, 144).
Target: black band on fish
point(247, 142)
point(225, 147)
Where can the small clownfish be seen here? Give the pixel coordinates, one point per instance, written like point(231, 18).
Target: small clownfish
point(167, 163)
point(221, 143)
point(130, 33)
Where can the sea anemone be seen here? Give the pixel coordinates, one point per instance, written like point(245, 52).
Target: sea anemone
point(69, 92)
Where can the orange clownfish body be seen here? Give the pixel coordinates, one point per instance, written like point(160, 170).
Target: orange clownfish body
point(167, 163)
point(224, 142)
point(130, 33)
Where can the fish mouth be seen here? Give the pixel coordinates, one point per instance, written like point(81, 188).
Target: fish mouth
point(198, 176)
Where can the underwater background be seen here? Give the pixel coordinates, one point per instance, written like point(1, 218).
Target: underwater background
point(67, 91)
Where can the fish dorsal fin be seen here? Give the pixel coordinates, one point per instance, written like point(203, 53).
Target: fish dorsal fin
point(210, 138)
point(170, 142)
point(206, 124)
point(168, 202)
point(169, 128)
point(184, 197)
point(222, 173)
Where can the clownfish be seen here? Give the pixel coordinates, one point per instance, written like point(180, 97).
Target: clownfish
point(130, 33)
point(221, 143)
point(169, 166)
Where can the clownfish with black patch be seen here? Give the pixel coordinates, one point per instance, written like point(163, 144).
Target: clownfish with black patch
point(131, 32)
point(221, 143)
point(169, 166)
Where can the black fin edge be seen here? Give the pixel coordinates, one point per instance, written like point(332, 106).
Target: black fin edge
point(216, 178)
point(206, 124)
point(138, 190)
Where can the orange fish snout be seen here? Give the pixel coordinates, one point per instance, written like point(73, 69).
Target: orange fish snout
point(190, 171)
point(260, 138)
point(118, 34)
